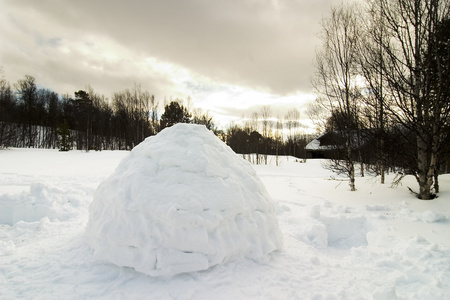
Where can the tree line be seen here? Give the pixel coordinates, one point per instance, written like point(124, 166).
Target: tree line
point(35, 117)
point(264, 135)
point(383, 76)
point(40, 118)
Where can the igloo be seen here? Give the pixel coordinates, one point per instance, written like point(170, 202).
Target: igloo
point(182, 201)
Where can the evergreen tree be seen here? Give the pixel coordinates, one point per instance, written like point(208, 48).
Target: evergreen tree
point(65, 140)
point(174, 113)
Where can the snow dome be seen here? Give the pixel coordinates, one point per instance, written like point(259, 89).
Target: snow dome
point(182, 201)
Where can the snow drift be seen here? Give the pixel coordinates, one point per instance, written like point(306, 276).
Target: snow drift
point(182, 201)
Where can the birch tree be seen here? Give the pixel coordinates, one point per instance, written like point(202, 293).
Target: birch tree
point(336, 79)
point(414, 71)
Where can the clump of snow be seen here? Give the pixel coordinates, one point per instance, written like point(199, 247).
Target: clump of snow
point(182, 201)
point(345, 231)
point(377, 207)
point(39, 201)
point(431, 216)
point(338, 231)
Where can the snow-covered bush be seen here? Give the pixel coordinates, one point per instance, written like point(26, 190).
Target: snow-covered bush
point(182, 201)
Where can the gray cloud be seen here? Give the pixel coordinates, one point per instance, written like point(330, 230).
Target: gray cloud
point(266, 45)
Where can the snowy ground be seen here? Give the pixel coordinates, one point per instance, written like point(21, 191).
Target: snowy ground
point(376, 243)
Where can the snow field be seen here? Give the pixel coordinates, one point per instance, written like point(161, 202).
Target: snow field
point(182, 201)
point(378, 240)
point(376, 243)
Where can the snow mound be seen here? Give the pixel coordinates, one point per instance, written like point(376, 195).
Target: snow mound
point(182, 201)
point(338, 231)
point(40, 201)
point(431, 217)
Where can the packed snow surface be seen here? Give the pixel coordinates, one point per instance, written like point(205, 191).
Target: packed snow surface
point(182, 201)
point(376, 243)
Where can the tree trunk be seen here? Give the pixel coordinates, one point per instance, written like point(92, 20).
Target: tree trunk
point(436, 182)
point(426, 170)
point(351, 168)
point(352, 177)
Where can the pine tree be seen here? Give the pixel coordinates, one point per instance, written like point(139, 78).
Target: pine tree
point(65, 140)
point(174, 113)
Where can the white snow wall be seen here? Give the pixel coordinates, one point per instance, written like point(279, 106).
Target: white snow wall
point(182, 201)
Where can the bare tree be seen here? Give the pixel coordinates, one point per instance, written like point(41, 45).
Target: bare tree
point(293, 124)
point(266, 126)
point(27, 91)
point(278, 137)
point(154, 104)
point(318, 113)
point(7, 112)
point(255, 136)
point(336, 80)
point(410, 49)
point(371, 63)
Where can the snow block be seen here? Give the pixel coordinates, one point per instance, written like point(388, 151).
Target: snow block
point(182, 201)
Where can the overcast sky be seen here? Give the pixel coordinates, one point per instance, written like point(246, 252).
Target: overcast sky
point(230, 56)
